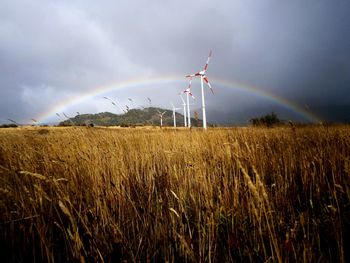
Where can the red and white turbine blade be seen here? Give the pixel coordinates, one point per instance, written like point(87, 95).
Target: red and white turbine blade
point(207, 81)
point(189, 90)
point(206, 64)
point(189, 86)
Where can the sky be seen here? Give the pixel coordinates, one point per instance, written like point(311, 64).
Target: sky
point(53, 54)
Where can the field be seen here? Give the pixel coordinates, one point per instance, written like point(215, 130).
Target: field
point(241, 194)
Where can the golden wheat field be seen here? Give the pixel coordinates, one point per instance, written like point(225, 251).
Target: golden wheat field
point(151, 195)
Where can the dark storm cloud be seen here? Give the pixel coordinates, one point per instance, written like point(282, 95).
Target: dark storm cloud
point(51, 50)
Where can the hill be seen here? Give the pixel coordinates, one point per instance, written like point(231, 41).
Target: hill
point(146, 116)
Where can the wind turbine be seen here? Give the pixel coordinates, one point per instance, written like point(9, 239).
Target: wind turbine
point(161, 117)
point(203, 76)
point(174, 113)
point(65, 115)
point(189, 93)
point(184, 105)
point(150, 101)
point(132, 102)
point(115, 104)
point(14, 122)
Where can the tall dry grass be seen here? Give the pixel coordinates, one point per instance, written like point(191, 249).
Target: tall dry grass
point(261, 195)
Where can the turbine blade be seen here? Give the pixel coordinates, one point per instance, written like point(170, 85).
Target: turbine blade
point(192, 75)
point(207, 81)
point(206, 64)
point(189, 85)
point(12, 121)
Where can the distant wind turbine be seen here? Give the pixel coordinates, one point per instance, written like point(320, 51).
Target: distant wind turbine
point(13, 121)
point(188, 93)
point(132, 102)
point(65, 115)
point(149, 101)
point(174, 113)
point(69, 118)
point(203, 76)
point(184, 105)
point(115, 104)
point(161, 114)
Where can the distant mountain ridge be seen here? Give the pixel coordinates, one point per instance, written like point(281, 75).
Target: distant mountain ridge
point(150, 116)
point(145, 116)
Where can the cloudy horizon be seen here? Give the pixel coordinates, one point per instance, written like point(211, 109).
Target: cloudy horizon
point(53, 51)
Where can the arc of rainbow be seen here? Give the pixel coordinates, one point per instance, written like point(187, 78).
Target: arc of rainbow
point(171, 79)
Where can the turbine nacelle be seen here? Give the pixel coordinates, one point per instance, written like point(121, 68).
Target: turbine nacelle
point(188, 91)
point(202, 73)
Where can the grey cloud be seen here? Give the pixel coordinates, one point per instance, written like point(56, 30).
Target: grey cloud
point(296, 49)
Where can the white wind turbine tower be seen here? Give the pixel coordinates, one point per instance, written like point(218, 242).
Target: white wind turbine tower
point(184, 105)
point(202, 75)
point(189, 93)
point(174, 113)
point(161, 117)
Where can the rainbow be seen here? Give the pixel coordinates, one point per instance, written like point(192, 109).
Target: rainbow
point(142, 82)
